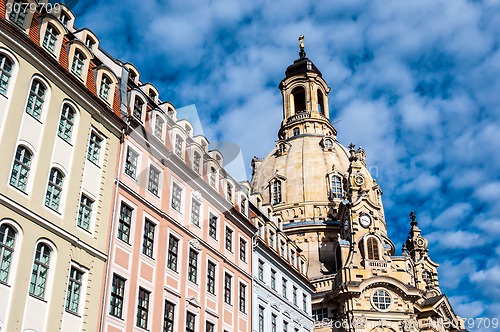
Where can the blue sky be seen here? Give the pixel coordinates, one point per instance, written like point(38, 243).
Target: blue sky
point(416, 83)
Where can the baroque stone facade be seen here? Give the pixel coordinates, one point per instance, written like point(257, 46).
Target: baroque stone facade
point(324, 198)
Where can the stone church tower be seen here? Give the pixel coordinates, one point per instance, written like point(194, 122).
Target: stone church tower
point(323, 197)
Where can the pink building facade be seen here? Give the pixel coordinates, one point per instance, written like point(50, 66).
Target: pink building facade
point(180, 241)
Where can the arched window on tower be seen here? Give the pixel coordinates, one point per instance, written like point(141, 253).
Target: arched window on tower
point(336, 186)
point(299, 99)
point(372, 249)
point(276, 192)
point(321, 103)
point(296, 131)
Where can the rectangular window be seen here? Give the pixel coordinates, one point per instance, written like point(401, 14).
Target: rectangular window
point(320, 314)
point(229, 239)
point(125, 222)
point(229, 192)
point(173, 248)
point(193, 266)
point(50, 39)
point(18, 16)
point(210, 327)
point(294, 295)
point(273, 279)
point(243, 250)
point(168, 317)
point(243, 291)
point(74, 289)
point(78, 63)
point(131, 163)
point(154, 180)
point(261, 319)
point(116, 298)
point(212, 226)
point(304, 302)
point(227, 288)
point(273, 323)
point(159, 127)
point(283, 249)
point(149, 238)
point(94, 151)
point(284, 287)
point(211, 278)
point(142, 308)
point(176, 197)
point(261, 270)
point(285, 326)
point(190, 322)
point(292, 258)
point(178, 146)
point(85, 212)
point(271, 239)
point(195, 212)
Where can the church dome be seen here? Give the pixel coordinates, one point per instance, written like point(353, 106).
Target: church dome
point(301, 65)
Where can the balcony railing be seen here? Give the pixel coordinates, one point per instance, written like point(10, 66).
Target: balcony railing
point(375, 264)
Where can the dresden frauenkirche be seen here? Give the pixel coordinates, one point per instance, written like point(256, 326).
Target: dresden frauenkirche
point(322, 195)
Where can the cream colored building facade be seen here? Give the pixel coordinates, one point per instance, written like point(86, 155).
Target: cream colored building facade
point(58, 144)
point(325, 199)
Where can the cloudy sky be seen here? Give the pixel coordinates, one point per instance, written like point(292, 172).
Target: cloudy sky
point(415, 82)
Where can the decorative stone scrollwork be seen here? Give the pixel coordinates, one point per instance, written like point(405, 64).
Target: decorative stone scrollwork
point(197, 196)
point(195, 244)
point(359, 322)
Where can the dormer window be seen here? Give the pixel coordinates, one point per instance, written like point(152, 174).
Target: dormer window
point(89, 43)
point(64, 19)
point(138, 107)
point(158, 126)
point(243, 205)
point(152, 94)
point(132, 75)
point(336, 187)
point(178, 146)
point(50, 39)
point(188, 130)
point(105, 87)
point(18, 12)
point(213, 175)
point(170, 112)
point(78, 63)
point(229, 192)
point(196, 162)
point(276, 192)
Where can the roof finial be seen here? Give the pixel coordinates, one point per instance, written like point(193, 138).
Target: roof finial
point(413, 218)
point(302, 53)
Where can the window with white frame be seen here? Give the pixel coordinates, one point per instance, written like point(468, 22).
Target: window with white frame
point(211, 277)
point(74, 290)
point(229, 239)
point(18, 12)
point(294, 295)
point(154, 180)
point(142, 308)
point(261, 319)
point(85, 212)
point(372, 248)
point(228, 281)
point(190, 322)
point(193, 266)
point(105, 88)
point(148, 238)
point(304, 302)
point(54, 189)
point(168, 317)
point(273, 279)
point(21, 168)
point(50, 38)
point(276, 188)
point(212, 226)
point(7, 242)
point(229, 192)
point(78, 63)
point(274, 323)
point(178, 146)
point(5, 73)
point(336, 188)
point(94, 151)
point(260, 270)
point(173, 252)
point(159, 127)
point(66, 123)
point(138, 108)
point(125, 222)
point(195, 212)
point(176, 197)
point(89, 42)
point(381, 299)
point(40, 272)
point(284, 284)
point(210, 327)
point(243, 250)
point(36, 99)
point(131, 163)
point(64, 19)
point(242, 299)
point(243, 205)
point(117, 296)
